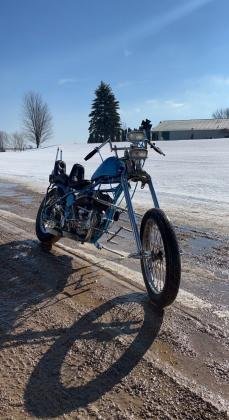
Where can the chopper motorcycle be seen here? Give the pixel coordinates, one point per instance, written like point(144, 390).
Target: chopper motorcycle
point(84, 210)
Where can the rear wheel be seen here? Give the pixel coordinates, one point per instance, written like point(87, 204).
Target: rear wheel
point(43, 236)
point(161, 266)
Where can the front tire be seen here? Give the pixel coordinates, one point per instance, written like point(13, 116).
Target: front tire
point(44, 237)
point(161, 269)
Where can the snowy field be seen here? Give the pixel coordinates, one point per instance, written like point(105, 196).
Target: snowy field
point(193, 177)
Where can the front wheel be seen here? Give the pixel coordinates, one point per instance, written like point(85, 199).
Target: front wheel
point(161, 266)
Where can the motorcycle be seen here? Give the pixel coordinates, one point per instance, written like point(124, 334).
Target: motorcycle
point(84, 210)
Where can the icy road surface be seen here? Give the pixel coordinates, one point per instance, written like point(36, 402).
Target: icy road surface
point(79, 340)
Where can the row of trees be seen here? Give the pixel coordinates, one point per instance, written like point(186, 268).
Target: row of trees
point(37, 125)
point(104, 121)
point(221, 113)
point(37, 121)
point(15, 141)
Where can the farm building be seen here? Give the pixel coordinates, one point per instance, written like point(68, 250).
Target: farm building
point(191, 129)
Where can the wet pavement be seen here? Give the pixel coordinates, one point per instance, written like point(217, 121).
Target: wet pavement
point(180, 367)
point(207, 251)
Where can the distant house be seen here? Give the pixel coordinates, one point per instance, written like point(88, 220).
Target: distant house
point(191, 129)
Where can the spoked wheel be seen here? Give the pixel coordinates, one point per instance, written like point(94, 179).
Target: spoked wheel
point(43, 236)
point(161, 266)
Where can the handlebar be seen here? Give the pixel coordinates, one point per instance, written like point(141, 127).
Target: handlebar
point(156, 148)
point(96, 149)
point(92, 153)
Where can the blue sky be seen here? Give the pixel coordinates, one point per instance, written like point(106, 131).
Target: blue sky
point(164, 59)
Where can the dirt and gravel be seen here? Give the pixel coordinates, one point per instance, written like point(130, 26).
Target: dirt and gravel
point(78, 342)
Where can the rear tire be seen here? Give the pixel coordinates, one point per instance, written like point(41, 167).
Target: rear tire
point(46, 238)
point(162, 269)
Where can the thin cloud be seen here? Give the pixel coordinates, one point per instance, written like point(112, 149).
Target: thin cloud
point(169, 103)
point(174, 104)
point(127, 83)
point(144, 29)
point(129, 111)
point(221, 80)
point(124, 84)
point(206, 94)
point(151, 101)
point(66, 81)
point(159, 22)
point(127, 53)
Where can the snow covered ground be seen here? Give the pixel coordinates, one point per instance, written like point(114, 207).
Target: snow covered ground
point(193, 176)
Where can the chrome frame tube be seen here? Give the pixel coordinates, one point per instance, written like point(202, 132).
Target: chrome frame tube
point(132, 218)
point(153, 194)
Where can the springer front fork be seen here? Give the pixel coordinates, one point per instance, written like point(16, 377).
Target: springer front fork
point(125, 186)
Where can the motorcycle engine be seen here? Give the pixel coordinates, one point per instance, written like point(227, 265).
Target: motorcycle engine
point(84, 216)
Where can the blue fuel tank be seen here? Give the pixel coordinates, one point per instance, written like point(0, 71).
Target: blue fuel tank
point(110, 169)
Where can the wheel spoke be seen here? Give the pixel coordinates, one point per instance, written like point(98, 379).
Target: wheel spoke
point(155, 265)
point(160, 263)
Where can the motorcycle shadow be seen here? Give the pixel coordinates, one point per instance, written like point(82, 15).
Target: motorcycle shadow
point(111, 345)
point(107, 342)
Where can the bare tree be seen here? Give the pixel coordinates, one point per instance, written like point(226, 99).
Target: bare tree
point(221, 113)
point(37, 119)
point(4, 140)
point(18, 141)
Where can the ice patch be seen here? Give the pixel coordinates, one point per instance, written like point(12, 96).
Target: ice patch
point(222, 314)
point(20, 255)
point(192, 301)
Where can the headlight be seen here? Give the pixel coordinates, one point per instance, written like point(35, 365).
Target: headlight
point(138, 153)
point(136, 136)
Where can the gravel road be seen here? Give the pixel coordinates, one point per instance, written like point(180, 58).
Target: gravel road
point(80, 342)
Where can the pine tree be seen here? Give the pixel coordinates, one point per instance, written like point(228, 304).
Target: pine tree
point(104, 117)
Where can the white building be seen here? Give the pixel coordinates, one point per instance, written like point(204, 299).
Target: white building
point(191, 129)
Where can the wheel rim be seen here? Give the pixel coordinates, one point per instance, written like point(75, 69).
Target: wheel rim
point(43, 211)
point(155, 263)
point(42, 225)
